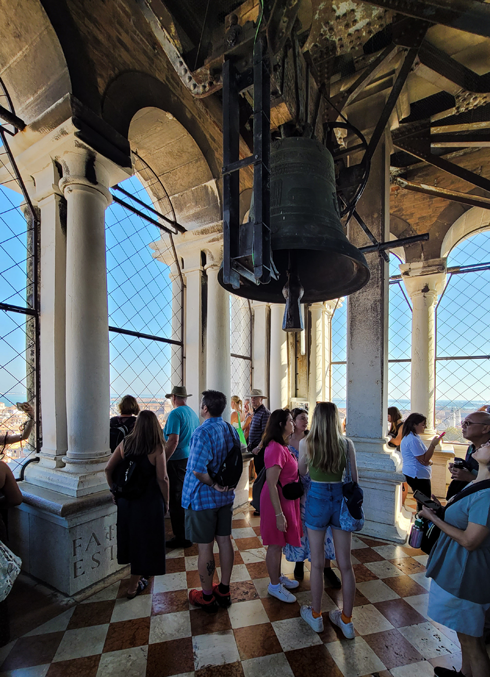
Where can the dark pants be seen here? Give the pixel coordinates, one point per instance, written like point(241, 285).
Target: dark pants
point(422, 485)
point(176, 475)
point(259, 461)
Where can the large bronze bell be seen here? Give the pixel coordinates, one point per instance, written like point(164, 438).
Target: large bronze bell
point(306, 232)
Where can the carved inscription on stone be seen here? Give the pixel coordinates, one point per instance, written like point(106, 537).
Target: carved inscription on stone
point(96, 548)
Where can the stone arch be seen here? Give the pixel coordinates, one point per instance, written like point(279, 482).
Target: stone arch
point(473, 221)
point(173, 169)
point(34, 68)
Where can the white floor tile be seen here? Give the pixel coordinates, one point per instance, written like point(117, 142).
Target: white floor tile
point(357, 543)
point(384, 569)
point(239, 573)
point(305, 598)
point(419, 603)
point(82, 642)
point(421, 559)
point(421, 579)
point(450, 634)
point(422, 669)
point(355, 657)
point(268, 666)
point(191, 563)
point(261, 585)
point(104, 595)
point(254, 555)
point(367, 619)
point(244, 532)
point(354, 560)
point(217, 648)
point(254, 521)
point(377, 591)
point(128, 662)
point(170, 626)
point(428, 641)
point(294, 633)
point(248, 613)
point(173, 554)
point(390, 551)
point(129, 609)
point(240, 516)
point(170, 582)
point(57, 624)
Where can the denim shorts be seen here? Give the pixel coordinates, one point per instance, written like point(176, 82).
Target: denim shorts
point(323, 506)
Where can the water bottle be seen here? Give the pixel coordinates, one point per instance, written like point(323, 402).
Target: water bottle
point(416, 533)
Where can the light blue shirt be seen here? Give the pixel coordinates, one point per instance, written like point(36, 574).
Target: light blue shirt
point(412, 447)
point(181, 421)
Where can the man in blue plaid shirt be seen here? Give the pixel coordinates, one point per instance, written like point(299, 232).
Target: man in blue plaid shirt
point(209, 507)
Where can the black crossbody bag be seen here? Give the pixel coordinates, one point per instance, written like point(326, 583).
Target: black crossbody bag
point(431, 532)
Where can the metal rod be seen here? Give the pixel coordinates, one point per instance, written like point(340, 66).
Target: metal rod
point(151, 209)
point(150, 337)
point(376, 246)
point(241, 357)
point(463, 357)
point(17, 309)
point(393, 244)
point(143, 216)
point(240, 164)
point(12, 119)
point(445, 194)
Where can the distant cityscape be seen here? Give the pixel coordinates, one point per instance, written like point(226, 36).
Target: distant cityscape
point(449, 415)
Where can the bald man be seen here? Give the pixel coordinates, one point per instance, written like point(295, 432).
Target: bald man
point(476, 429)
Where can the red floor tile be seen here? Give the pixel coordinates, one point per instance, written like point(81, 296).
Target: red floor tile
point(257, 640)
point(127, 634)
point(400, 613)
point(30, 651)
point(78, 667)
point(91, 613)
point(393, 649)
point(170, 658)
point(313, 660)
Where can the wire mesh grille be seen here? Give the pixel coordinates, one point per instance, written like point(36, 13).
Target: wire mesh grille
point(399, 342)
point(339, 357)
point(462, 385)
point(18, 334)
point(240, 346)
point(144, 297)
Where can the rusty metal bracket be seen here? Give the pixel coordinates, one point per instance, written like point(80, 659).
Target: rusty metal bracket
point(444, 193)
point(471, 16)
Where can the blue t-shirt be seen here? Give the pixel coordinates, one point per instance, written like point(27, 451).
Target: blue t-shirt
point(181, 421)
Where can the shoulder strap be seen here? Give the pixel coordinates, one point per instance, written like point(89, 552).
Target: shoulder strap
point(467, 491)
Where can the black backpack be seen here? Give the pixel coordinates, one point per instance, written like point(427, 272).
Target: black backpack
point(117, 432)
point(231, 469)
point(130, 479)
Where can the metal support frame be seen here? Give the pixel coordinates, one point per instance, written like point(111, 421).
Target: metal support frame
point(445, 194)
point(261, 247)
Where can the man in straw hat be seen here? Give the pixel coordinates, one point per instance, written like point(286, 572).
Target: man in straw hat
point(257, 427)
point(181, 423)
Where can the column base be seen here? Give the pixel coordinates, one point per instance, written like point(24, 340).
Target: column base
point(67, 543)
point(243, 487)
point(74, 481)
point(381, 479)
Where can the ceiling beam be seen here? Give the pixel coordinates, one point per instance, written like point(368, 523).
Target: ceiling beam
point(444, 193)
point(471, 16)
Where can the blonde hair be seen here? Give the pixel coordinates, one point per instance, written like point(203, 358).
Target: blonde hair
point(326, 445)
point(237, 401)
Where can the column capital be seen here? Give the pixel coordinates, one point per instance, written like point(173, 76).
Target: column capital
point(81, 168)
point(424, 278)
point(331, 306)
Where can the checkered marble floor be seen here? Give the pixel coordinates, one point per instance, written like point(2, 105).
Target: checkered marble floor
point(158, 634)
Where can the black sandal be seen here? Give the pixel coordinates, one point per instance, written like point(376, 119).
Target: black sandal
point(142, 585)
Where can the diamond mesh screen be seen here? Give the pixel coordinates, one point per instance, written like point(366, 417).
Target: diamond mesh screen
point(463, 355)
point(399, 342)
point(240, 346)
point(145, 299)
point(339, 357)
point(18, 331)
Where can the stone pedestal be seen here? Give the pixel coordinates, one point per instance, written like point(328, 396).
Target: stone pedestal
point(69, 543)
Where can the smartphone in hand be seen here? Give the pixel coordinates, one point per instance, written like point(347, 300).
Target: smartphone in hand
point(428, 502)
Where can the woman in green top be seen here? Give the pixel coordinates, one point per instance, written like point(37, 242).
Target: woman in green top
point(323, 453)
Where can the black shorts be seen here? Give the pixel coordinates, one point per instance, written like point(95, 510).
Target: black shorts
point(201, 526)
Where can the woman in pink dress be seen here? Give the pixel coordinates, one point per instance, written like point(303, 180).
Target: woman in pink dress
point(280, 521)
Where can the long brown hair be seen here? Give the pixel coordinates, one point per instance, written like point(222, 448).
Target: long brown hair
point(413, 420)
point(325, 442)
point(396, 416)
point(274, 430)
point(145, 437)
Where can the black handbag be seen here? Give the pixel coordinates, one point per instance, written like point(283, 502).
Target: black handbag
point(293, 490)
point(431, 532)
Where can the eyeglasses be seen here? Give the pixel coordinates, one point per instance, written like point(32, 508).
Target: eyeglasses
point(467, 423)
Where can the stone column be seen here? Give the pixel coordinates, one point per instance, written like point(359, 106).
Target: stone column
point(278, 360)
point(316, 371)
point(330, 307)
point(367, 365)
point(87, 337)
point(193, 334)
point(176, 352)
point(218, 335)
point(261, 347)
point(424, 281)
point(52, 345)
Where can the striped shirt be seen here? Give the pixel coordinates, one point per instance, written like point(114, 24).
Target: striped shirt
point(257, 427)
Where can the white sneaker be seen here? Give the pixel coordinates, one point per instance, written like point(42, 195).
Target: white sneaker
point(315, 624)
point(282, 594)
point(288, 583)
point(347, 628)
